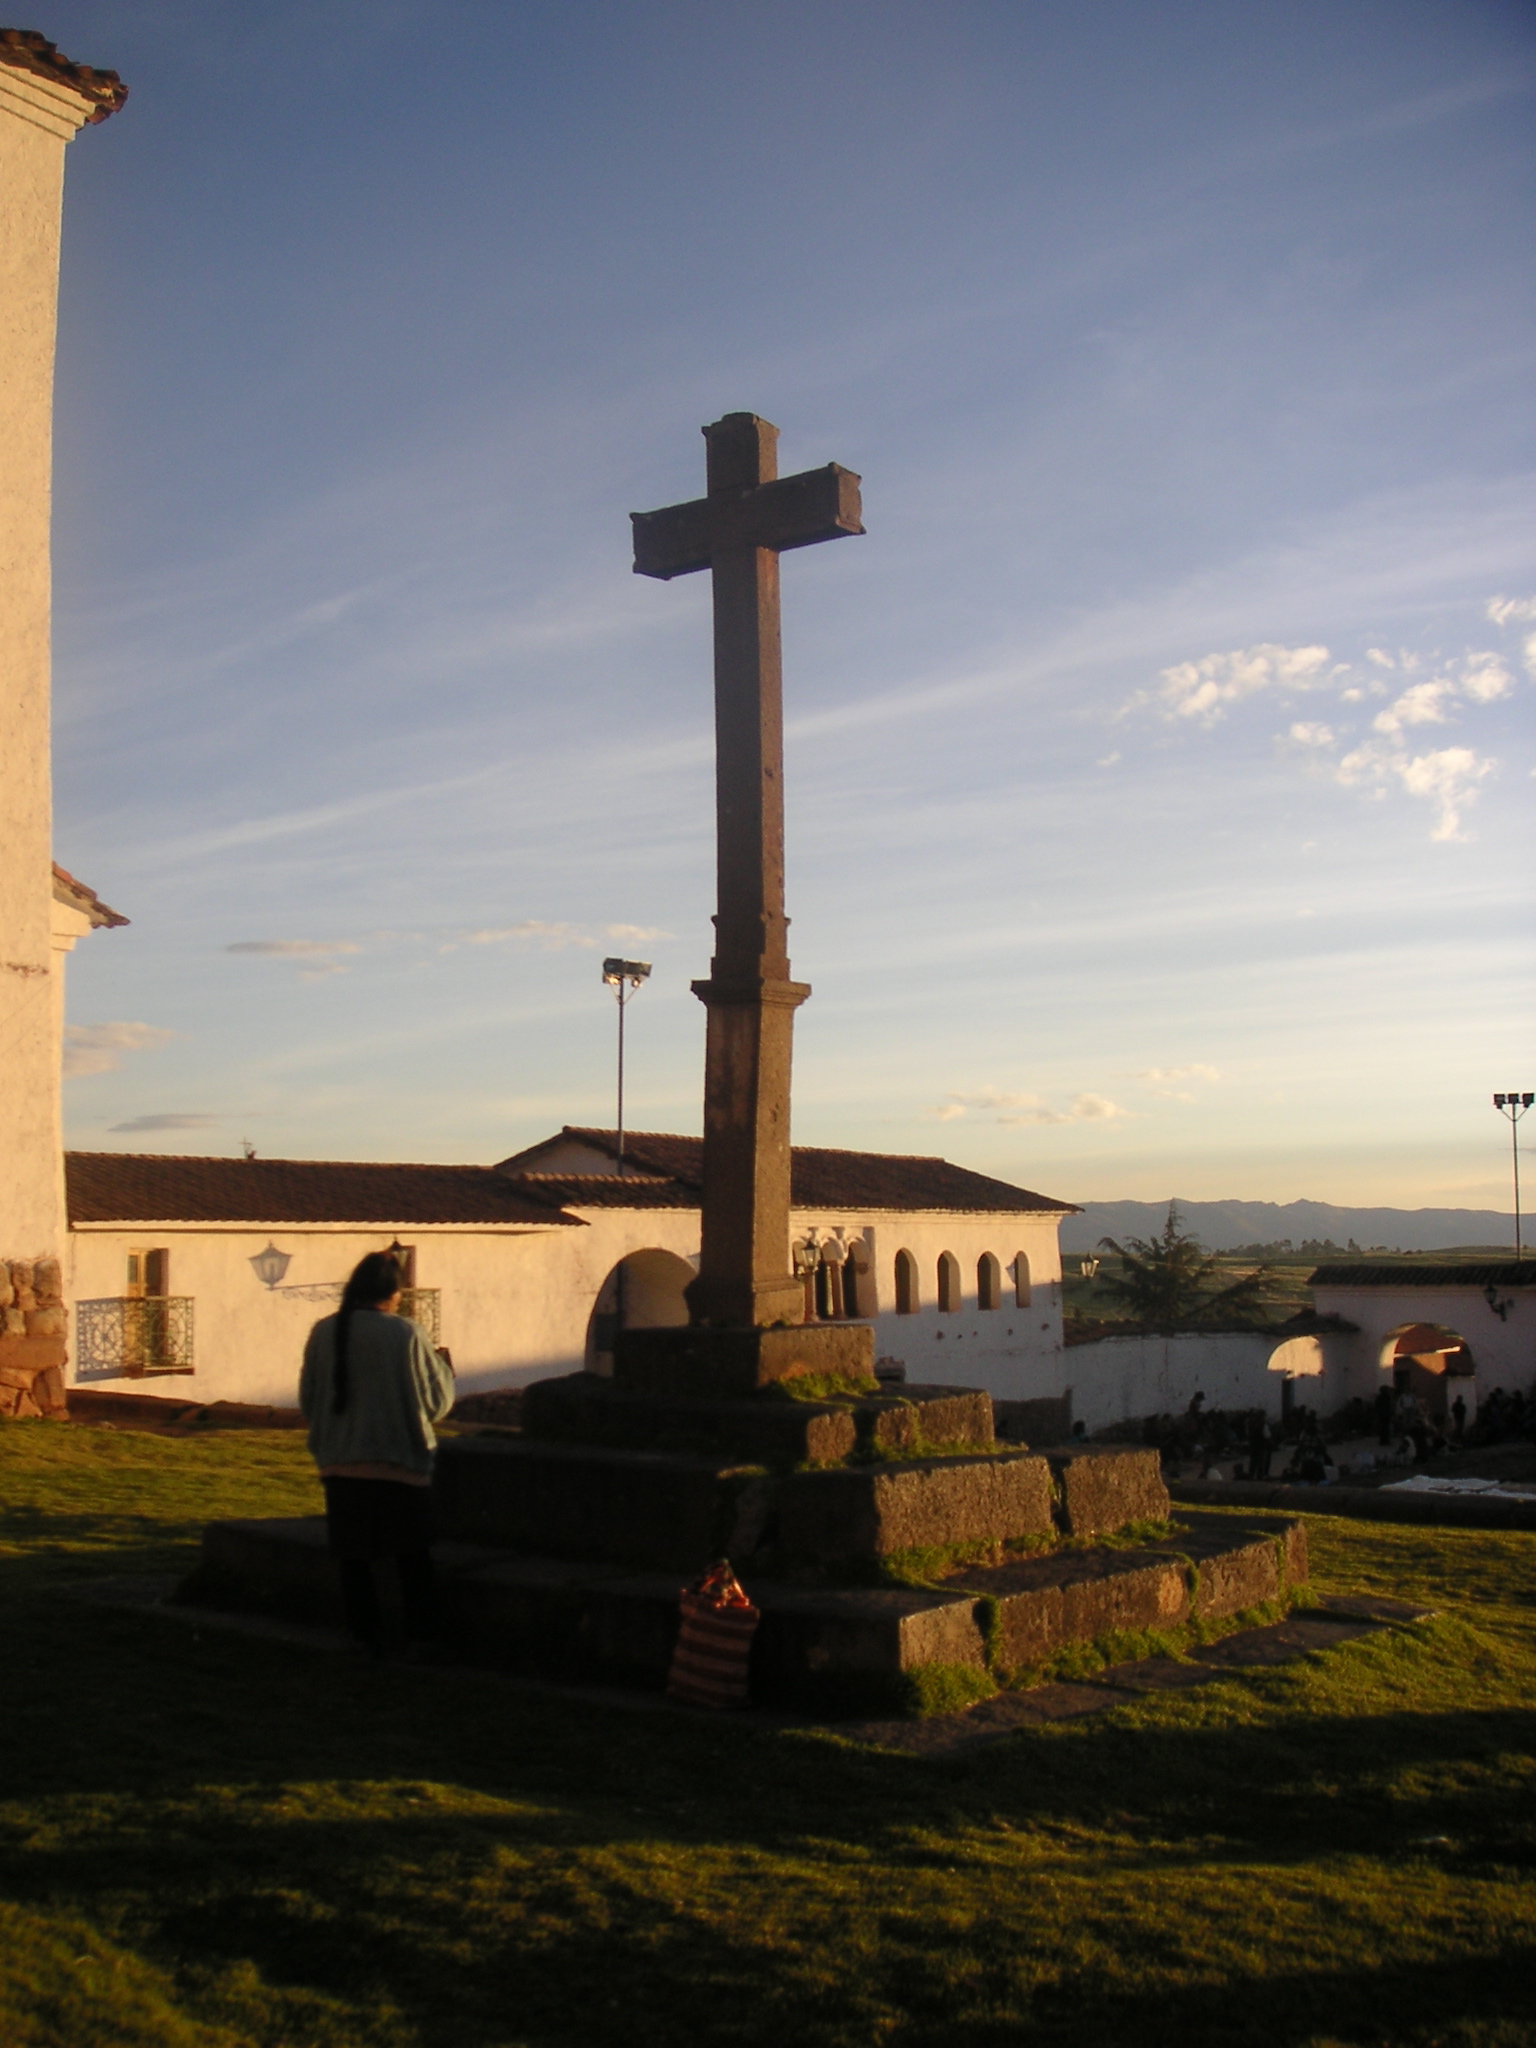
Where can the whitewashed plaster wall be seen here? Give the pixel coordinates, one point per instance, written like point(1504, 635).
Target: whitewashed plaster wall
point(37, 119)
point(516, 1302)
point(1503, 1348)
point(1013, 1351)
point(1119, 1379)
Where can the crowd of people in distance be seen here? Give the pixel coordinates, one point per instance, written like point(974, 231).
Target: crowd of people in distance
point(1298, 1448)
point(1505, 1418)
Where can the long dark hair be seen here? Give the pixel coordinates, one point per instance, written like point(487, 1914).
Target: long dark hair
point(375, 1277)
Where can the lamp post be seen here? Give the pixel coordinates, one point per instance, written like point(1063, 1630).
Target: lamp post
point(624, 977)
point(1514, 1106)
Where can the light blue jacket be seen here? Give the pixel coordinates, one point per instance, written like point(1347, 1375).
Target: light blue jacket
point(397, 1387)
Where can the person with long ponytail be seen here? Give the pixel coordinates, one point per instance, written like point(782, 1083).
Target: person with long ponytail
point(372, 1386)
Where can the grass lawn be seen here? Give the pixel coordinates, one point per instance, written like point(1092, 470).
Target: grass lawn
point(212, 1840)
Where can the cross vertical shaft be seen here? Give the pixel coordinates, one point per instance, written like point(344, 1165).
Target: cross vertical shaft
point(744, 1275)
point(737, 531)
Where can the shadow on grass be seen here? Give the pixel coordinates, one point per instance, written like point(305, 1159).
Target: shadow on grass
point(317, 1852)
point(478, 1934)
point(497, 1867)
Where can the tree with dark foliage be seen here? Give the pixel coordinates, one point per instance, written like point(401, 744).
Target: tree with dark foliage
point(1171, 1282)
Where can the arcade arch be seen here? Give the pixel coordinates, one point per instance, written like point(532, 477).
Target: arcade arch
point(949, 1284)
point(989, 1281)
point(908, 1292)
point(644, 1291)
point(1432, 1362)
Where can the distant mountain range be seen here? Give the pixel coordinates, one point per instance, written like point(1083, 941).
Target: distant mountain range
point(1225, 1226)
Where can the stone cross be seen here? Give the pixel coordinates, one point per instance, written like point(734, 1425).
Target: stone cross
point(750, 516)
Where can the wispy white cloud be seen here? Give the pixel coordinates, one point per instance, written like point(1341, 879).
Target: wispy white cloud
point(554, 937)
point(1308, 732)
point(1003, 1107)
point(1447, 778)
point(1484, 678)
point(294, 948)
point(1204, 689)
point(1507, 611)
point(316, 957)
point(170, 1120)
point(1420, 704)
point(549, 938)
point(99, 1048)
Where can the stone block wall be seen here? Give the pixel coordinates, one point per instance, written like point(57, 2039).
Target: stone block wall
point(34, 1326)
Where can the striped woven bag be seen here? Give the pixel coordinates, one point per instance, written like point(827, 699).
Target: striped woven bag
point(709, 1665)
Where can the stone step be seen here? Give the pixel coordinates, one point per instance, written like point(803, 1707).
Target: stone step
point(652, 1508)
point(1102, 1487)
point(830, 1648)
point(836, 1519)
point(1214, 1567)
point(769, 1430)
point(635, 1508)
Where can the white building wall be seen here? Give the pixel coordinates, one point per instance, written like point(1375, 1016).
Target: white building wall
point(516, 1302)
point(1013, 1351)
point(1503, 1348)
point(37, 119)
point(1118, 1379)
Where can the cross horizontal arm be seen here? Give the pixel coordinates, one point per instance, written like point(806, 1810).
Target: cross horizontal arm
point(791, 512)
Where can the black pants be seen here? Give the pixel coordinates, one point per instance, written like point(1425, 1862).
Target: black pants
point(369, 1521)
point(418, 1594)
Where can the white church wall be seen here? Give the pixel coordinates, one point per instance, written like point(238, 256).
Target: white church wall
point(516, 1303)
point(1014, 1351)
point(37, 119)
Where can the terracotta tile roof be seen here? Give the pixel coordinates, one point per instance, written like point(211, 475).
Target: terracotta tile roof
point(608, 1190)
point(123, 1187)
point(67, 890)
point(820, 1179)
point(1494, 1273)
point(25, 50)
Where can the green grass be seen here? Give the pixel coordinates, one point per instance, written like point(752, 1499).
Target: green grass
point(208, 1841)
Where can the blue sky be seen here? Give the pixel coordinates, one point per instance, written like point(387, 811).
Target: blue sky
point(1159, 765)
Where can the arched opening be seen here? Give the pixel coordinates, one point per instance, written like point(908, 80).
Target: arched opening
point(643, 1292)
point(908, 1294)
point(858, 1280)
point(1434, 1364)
point(949, 1284)
point(1021, 1287)
point(989, 1282)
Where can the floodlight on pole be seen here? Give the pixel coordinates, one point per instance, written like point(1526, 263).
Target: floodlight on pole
point(624, 977)
point(1513, 1104)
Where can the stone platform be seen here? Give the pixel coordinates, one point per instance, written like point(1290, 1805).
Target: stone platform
point(838, 1648)
point(879, 1533)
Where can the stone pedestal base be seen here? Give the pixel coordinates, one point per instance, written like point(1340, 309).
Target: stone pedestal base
point(826, 1649)
point(32, 1376)
point(705, 1364)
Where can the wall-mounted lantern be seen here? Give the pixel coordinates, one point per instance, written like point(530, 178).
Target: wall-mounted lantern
point(270, 1266)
